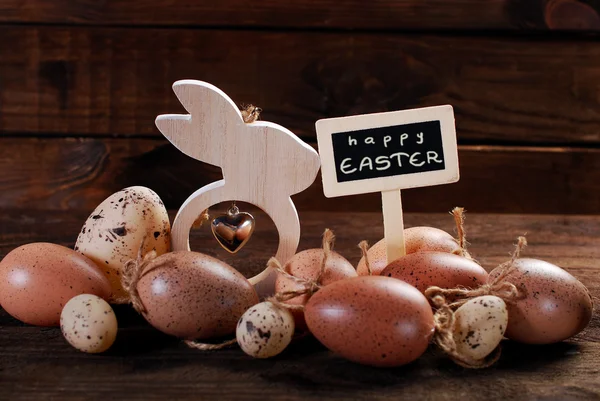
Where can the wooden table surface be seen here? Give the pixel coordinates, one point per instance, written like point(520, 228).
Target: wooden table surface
point(37, 364)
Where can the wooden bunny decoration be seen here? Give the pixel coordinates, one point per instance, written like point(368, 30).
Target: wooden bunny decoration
point(263, 164)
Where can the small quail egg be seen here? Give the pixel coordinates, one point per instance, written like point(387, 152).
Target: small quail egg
point(88, 323)
point(265, 330)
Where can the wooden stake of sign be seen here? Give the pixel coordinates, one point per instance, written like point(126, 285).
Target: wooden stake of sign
point(263, 164)
point(393, 224)
point(387, 152)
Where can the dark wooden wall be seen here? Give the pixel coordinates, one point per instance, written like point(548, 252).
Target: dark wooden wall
point(81, 82)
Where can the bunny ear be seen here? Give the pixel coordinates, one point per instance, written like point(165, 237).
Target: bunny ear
point(213, 121)
point(203, 99)
point(293, 164)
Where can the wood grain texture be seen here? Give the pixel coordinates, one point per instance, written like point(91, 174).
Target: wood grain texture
point(68, 174)
point(262, 163)
point(329, 14)
point(36, 363)
point(393, 224)
point(115, 81)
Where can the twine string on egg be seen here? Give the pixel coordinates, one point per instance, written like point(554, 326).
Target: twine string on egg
point(327, 245)
point(498, 286)
point(210, 347)
point(364, 247)
point(444, 320)
point(459, 219)
point(309, 286)
point(131, 274)
point(444, 317)
point(200, 220)
point(250, 113)
point(280, 298)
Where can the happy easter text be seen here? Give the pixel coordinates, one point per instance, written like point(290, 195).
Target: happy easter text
point(388, 151)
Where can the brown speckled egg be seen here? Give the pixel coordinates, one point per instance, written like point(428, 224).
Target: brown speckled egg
point(88, 323)
point(113, 233)
point(307, 265)
point(194, 296)
point(265, 330)
point(445, 270)
point(557, 305)
point(417, 239)
point(371, 320)
point(37, 280)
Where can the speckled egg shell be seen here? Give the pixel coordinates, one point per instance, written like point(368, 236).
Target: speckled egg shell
point(113, 233)
point(89, 324)
point(479, 326)
point(557, 305)
point(37, 280)
point(417, 239)
point(371, 320)
point(307, 265)
point(425, 269)
point(194, 296)
point(265, 330)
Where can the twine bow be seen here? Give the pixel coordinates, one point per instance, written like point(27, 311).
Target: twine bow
point(498, 286)
point(444, 317)
point(444, 321)
point(309, 286)
point(250, 113)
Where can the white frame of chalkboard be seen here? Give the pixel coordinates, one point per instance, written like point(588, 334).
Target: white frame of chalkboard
point(326, 127)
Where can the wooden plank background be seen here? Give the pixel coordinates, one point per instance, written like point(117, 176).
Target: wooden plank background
point(332, 14)
point(81, 83)
point(68, 173)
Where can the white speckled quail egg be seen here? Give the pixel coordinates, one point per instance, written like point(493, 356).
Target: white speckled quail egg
point(265, 330)
point(113, 233)
point(88, 323)
point(479, 326)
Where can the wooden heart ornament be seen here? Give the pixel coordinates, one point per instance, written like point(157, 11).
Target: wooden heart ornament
point(233, 229)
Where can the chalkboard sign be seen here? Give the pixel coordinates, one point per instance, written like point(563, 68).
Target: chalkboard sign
point(387, 151)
